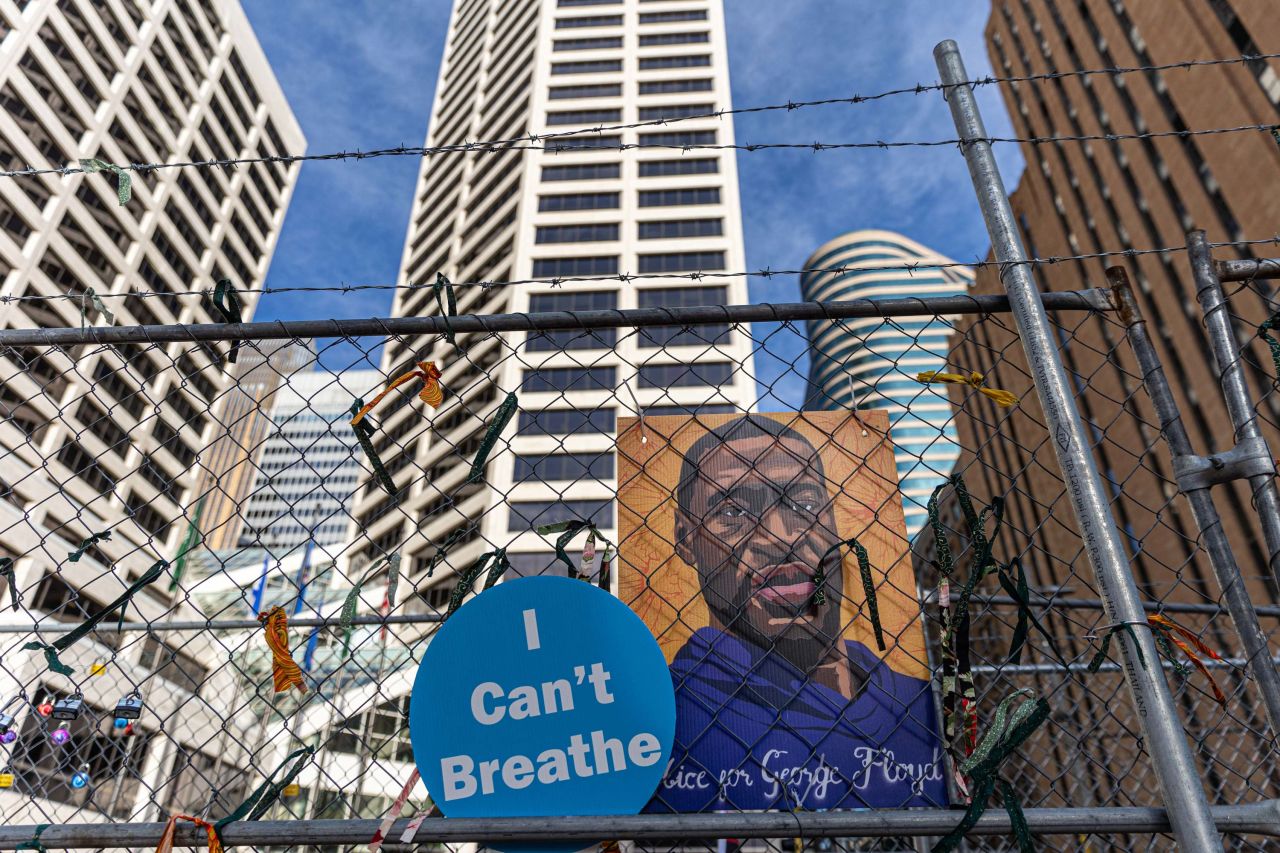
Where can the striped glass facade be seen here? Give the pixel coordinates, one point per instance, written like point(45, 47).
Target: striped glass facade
point(872, 363)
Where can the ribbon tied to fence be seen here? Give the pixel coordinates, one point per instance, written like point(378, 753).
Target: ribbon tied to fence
point(974, 379)
point(285, 673)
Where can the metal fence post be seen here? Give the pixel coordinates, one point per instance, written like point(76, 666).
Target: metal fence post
point(1184, 795)
point(1200, 497)
point(1226, 354)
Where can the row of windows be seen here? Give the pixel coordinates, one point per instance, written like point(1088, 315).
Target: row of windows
point(650, 40)
point(648, 169)
point(663, 139)
point(612, 90)
point(585, 21)
point(648, 63)
point(596, 116)
point(564, 466)
point(665, 262)
point(708, 374)
point(609, 232)
point(612, 200)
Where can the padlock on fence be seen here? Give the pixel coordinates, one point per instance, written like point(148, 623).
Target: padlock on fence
point(130, 707)
point(68, 708)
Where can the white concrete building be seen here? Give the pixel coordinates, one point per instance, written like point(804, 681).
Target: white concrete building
point(579, 207)
point(308, 465)
point(110, 438)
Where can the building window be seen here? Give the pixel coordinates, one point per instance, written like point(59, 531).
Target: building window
point(588, 21)
point(560, 267)
point(655, 39)
point(680, 228)
point(595, 66)
point(685, 375)
point(564, 466)
point(569, 379)
point(579, 201)
point(573, 339)
point(584, 143)
point(537, 564)
point(652, 337)
point(526, 515)
point(597, 90)
point(599, 43)
point(593, 233)
point(675, 111)
point(680, 197)
point(564, 3)
point(677, 139)
point(654, 63)
point(583, 116)
point(582, 172)
point(671, 87)
point(681, 262)
point(567, 421)
point(668, 17)
point(690, 166)
point(710, 409)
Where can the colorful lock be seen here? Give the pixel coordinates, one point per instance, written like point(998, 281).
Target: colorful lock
point(60, 735)
point(80, 778)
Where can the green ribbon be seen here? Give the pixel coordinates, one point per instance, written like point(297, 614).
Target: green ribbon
point(868, 584)
point(189, 543)
point(35, 843)
point(1008, 731)
point(364, 435)
point(124, 183)
point(67, 640)
point(1272, 323)
point(95, 538)
point(1014, 580)
point(446, 302)
point(352, 601)
point(1096, 663)
point(8, 572)
point(257, 803)
point(501, 418)
point(227, 303)
point(568, 530)
point(443, 550)
point(496, 564)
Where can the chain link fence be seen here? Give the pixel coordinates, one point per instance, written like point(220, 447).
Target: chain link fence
point(125, 446)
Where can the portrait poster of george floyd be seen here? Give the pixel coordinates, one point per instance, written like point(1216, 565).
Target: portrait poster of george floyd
point(783, 699)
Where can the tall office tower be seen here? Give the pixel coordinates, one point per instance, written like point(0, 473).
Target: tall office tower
point(230, 463)
point(581, 207)
point(871, 364)
point(1111, 196)
point(307, 471)
point(110, 437)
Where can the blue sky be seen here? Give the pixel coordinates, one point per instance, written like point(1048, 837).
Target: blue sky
point(365, 79)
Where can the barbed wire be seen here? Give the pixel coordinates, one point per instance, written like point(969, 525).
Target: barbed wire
point(530, 141)
point(697, 275)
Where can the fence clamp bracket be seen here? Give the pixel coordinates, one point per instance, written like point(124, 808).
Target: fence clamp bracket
point(1247, 459)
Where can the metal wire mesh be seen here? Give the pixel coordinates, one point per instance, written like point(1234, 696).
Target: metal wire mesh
point(249, 481)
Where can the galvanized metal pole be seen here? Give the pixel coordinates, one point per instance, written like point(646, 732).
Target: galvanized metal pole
point(1226, 354)
point(1212, 536)
point(1179, 777)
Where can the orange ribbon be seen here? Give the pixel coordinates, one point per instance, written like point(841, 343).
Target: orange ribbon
point(284, 672)
point(171, 829)
point(431, 394)
point(1173, 630)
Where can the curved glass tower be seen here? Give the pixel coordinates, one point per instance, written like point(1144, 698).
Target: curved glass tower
point(872, 363)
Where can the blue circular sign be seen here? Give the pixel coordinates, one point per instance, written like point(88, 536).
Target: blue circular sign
point(542, 696)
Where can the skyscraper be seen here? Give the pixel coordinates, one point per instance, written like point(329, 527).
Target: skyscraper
point(109, 438)
point(230, 463)
point(307, 471)
point(578, 207)
point(871, 364)
point(1110, 196)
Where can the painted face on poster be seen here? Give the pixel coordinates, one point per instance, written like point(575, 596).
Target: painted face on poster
point(542, 696)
